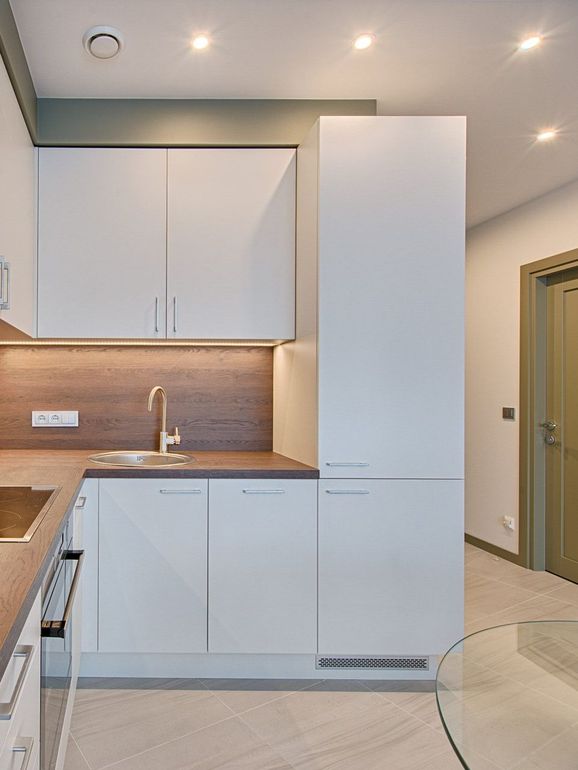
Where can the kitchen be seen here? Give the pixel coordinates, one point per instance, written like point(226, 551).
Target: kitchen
point(232, 424)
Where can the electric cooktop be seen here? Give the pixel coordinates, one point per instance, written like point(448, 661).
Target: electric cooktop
point(21, 511)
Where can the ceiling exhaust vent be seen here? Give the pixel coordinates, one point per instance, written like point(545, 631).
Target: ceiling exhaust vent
point(103, 42)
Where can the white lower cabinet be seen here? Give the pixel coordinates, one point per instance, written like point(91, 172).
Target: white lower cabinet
point(262, 566)
point(153, 565)
point(20, 700)
point(390, 566)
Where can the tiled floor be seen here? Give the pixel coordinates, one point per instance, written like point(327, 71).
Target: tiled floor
point(271, 725)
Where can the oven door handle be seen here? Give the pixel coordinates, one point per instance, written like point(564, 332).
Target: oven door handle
point(57, 628)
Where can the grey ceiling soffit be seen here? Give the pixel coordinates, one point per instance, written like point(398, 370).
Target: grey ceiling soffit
point(15, 61)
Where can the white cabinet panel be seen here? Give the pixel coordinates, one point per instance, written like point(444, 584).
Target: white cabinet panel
point(102, 243)
point(391, 316)
point(153, 565)
point(262, 566)
point(231, 243)
point(86, 538)
point(390, 566)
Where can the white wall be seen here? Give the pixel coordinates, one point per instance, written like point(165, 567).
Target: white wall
point(17, 207)
point(495, 251)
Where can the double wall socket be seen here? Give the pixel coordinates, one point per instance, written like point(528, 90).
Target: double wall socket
point(55, 419)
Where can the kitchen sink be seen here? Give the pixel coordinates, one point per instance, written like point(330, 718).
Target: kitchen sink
point(141, 459)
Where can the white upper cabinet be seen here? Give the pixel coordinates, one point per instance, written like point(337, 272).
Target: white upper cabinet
point(375, 379)
point(231, 244)
point(102, 242)
point(17, 213)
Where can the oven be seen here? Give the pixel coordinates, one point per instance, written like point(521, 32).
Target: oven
point(60, 651)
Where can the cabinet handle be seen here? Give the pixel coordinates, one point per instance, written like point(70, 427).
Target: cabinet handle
point(181, 491)
point(22, 651)
point(347, 491)
point(348, 465)
point(4, 285)
point(175, 315)
point(80, 503)
point(57, 628)
point(23, 746)
point(156, 315)
point(263, 491)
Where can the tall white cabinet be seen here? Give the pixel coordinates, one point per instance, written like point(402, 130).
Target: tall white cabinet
point(371, 391)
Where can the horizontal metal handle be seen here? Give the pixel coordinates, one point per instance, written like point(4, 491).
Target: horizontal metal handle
point(24, 746)
point(58, 627)
point(22, 651)
point(348, 465)
point(347, 491)
point(80, 503)
point(181, 491)
point(263, 491)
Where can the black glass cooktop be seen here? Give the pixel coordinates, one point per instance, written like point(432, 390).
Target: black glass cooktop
point(22, 510)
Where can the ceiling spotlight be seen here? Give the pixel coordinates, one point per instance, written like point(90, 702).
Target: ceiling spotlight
point(546, 136)
point(530, 42)
point(364, 41)
point(200, 42)
point(103, 42)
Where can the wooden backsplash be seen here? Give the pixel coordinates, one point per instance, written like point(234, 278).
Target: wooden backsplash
point(220, 398)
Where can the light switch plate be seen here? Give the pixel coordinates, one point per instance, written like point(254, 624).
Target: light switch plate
point(55, 419)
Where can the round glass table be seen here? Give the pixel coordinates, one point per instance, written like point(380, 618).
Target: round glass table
point(508, 697)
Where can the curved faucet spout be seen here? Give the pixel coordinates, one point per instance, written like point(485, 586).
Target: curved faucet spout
point(152, 394)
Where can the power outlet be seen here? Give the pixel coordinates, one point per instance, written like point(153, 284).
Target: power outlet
point(54, 419)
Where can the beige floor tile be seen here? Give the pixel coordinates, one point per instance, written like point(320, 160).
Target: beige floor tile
point(417, 698)
point(566, 592)
point(74, 759)
point(485, 596)
point(243, 694)
point(228, 745)
point(449, 761)
point(539, 607)
point(561, 754)
point(108, 732)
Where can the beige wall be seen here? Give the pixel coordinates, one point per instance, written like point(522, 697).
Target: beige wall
point(495, 251)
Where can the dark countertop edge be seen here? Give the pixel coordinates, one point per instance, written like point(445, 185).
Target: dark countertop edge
point(11, 639)
point(198, 473)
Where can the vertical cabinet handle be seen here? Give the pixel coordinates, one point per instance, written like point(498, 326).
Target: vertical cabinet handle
point(156, 315)
point(22, 651)
point(23, 746)
point(175, 315)
point(4, 285)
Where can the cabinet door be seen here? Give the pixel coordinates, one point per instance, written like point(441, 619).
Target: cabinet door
point(231, 244)
point(153, 565)
point(391, 297)
point(86, 538)
point(102, 243)
point(390, 567)
point(262, 566)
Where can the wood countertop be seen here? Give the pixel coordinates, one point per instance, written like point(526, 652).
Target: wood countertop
point(24, 565)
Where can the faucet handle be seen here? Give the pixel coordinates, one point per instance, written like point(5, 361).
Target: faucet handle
point(177, 437)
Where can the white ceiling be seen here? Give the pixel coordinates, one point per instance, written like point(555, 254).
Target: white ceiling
point(431, 57)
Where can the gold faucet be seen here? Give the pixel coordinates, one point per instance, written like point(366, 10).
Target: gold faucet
point(165, 439)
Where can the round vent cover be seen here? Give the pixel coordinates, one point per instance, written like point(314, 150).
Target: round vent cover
point(103, 42)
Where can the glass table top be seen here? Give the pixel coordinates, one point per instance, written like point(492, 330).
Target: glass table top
point(508, 697)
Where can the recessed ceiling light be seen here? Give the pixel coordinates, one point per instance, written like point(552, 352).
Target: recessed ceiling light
point(546, 136)
point(364, 41)
point(200, 42)
point(530, 42)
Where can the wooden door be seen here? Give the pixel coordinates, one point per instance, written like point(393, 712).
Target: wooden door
point(231, 244)
point(560, 430)
point(153, 565)
point(263, 566)
point(102, 243)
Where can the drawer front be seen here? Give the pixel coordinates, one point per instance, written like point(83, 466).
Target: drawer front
point(21, 743)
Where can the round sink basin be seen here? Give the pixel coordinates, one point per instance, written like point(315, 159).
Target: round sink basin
point(140, 459)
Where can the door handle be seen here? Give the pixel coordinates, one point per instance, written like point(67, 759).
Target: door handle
point(57, 628)
point(24, 746)
point(22, 651)
point(549, 425)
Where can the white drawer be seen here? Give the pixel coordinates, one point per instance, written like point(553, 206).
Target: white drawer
point(20, 687)
point(21, 744)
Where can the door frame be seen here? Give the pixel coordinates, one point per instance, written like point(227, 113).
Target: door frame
point(532, 509)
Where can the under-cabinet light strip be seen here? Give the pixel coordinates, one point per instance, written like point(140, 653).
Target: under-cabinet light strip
point(144, 343)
